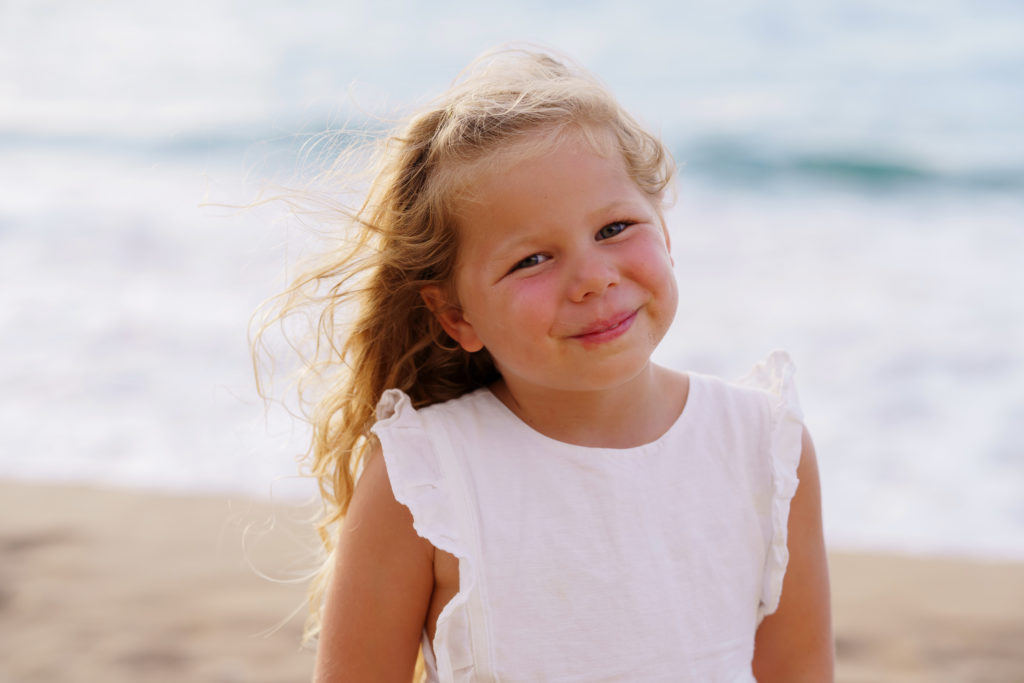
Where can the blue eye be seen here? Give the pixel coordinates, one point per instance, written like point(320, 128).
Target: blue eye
point(612, 229)
point(530, 261)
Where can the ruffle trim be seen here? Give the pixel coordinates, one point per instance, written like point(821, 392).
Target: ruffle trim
point(418, 474)
point(775, 376)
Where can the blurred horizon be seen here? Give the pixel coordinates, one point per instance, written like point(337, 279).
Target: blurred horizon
point(851, 188)
point(858, 92)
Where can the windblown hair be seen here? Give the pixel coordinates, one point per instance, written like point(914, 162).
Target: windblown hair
point(370, 329)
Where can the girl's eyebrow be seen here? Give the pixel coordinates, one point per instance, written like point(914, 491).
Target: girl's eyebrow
point(630, 206)
point(517, 242)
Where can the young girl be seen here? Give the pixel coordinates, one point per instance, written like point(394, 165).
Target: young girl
point(511, 486)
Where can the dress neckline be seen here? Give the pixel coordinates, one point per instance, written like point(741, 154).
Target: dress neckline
point(529, 432)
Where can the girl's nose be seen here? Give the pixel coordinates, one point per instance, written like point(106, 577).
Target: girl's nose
point(592, 275)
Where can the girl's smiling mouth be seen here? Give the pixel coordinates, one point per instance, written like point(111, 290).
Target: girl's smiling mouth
point(607, 329)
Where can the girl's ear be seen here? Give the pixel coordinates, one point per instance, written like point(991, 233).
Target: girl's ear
point(451, 318)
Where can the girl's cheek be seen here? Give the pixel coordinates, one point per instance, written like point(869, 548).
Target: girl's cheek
point(535, 287)
point(652, 260)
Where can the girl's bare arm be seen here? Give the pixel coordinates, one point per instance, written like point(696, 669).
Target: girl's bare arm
point(795, 643)
point(380, 589)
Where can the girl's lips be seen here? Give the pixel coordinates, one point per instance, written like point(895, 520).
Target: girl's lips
point(608, 329)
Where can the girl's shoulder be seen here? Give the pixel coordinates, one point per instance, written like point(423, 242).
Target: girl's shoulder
point(775, 376)
point(768, 386)
point(762, 410)
point(395, 408)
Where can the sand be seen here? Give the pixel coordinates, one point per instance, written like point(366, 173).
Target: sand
point(104, 585)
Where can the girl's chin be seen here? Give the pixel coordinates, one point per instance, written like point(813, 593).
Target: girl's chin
point(611, 377)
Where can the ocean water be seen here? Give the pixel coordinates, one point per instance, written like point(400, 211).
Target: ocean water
point(851, 189)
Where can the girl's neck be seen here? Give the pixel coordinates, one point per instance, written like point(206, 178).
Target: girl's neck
point(626, 416)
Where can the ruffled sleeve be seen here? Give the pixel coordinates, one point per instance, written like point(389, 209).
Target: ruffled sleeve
point(775, 376)
point(415, 471)
point(425, 479)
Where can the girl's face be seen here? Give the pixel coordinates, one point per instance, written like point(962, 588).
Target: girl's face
point(563, 271)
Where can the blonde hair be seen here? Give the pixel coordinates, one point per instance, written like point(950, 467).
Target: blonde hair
point(403, 237)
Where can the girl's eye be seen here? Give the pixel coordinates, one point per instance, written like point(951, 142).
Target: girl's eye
point(530, 261)
point(612, 229)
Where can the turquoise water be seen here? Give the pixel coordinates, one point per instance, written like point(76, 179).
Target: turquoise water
point(852, 189)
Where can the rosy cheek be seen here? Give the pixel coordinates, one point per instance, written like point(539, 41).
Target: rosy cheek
point(531, 296)
point(654, 256)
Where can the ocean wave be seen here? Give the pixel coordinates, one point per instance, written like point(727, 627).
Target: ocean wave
point(719, 162)
point(730, 163)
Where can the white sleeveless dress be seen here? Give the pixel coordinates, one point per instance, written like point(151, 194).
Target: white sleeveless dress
point(654, 563)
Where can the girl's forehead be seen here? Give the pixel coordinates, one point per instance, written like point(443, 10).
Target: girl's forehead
point(599, 140)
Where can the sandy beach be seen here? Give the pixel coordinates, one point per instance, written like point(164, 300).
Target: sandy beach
point(105, 585)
